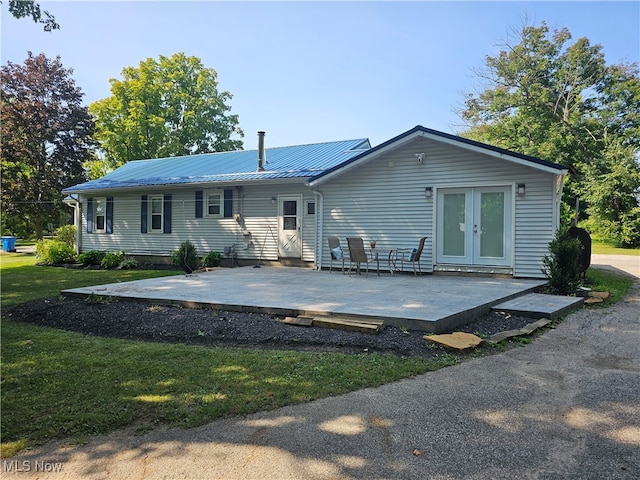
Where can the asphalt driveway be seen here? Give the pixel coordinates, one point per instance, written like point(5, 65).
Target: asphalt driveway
point(566, 406)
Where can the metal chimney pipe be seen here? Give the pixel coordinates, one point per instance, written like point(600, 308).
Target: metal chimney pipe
point(260, 151)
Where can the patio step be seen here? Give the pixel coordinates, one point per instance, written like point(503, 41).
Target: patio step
point(539, 305)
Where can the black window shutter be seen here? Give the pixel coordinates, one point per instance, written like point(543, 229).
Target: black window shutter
point(228, 203)
point(109, 219)
point(143, 214)
point(89, 215)
point(167, 213)
point(199, 203)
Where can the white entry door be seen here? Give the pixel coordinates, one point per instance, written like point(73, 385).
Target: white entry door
point(474, 226)
point(289, 231)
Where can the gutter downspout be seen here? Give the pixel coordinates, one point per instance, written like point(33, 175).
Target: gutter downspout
point(319, 227)
point(73, 202)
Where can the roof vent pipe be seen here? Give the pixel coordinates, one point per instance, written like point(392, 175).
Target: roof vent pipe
point(260, 151)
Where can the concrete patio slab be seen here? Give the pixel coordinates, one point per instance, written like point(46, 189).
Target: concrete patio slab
point(429, 303)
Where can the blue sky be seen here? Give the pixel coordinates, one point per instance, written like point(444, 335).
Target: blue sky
point(310, 72)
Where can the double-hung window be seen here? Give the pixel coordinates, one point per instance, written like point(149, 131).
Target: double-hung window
point(156, 213)
point(100, 215)
point(214, 204)
point(100, 212)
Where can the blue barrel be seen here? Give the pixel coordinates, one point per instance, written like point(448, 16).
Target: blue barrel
point(9, 244)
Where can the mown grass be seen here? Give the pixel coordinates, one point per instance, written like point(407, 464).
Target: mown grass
point(603, 247)
point(58, 384)
point(63, 384)
point(22, 281)
point(605, 281)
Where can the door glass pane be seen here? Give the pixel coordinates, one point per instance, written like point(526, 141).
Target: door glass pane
point(289, 218)
point(492, 224)
point(454, 224)
point(289, 207)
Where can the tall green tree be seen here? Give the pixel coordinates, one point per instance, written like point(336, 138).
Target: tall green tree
point(166, 107)
point(548, 96)
point(46, 136)
point(30, 8)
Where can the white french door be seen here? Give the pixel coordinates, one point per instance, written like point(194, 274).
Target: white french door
point(289, 231)
point(474, 226)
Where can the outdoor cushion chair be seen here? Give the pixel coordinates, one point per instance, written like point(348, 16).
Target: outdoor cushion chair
point(336, 252)
point(357, 254)
point(412, 255)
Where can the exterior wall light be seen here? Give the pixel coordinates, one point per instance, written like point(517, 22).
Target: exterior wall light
point(521, 189)
point(428, 192)
point(273, 200)
point(420, 157)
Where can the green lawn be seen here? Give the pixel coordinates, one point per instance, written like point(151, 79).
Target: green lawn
point(58, 384)
point(607, 248)
point(22, 281)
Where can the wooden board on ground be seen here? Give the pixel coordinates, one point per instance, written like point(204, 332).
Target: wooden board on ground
point(526, 330)
point(349, 324)
point(302, 321)
point(340, 323)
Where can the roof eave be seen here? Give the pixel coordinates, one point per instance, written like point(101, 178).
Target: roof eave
point(183, 185)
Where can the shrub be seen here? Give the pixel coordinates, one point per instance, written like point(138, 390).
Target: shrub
point(562, 267)
point(92, 257)
point(186, 257)
point(212, 259)
point(53, 252)
point(67, 235)
point(128, 263)
point(112, 259)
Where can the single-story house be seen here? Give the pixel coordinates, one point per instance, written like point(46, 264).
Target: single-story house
point(482, 208)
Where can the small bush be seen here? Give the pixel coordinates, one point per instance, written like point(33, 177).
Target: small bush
point(67, 235)
point(562, 267)
point(92, 257)
point(186, 257)
point(212, 259)
point(54, 252)
point(128, 263)
point(112, 259)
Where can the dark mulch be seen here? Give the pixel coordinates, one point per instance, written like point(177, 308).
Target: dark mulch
point(164, 323)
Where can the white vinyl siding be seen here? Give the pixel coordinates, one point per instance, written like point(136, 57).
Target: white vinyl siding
point(385, 199)
point(252, 227)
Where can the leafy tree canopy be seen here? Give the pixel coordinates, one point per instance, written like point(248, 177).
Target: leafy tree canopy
point(46, 136)
point(548, 96)
point(166, 107)
point(29, 8)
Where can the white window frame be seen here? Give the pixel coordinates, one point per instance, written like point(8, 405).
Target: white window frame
point(217, 195)
point(150, 214)
point(97, 203)
point(306, 207)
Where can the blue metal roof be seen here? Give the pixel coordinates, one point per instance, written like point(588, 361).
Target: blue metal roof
point(301, 161)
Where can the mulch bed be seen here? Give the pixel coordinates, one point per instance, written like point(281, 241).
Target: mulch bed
point(215, 328)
